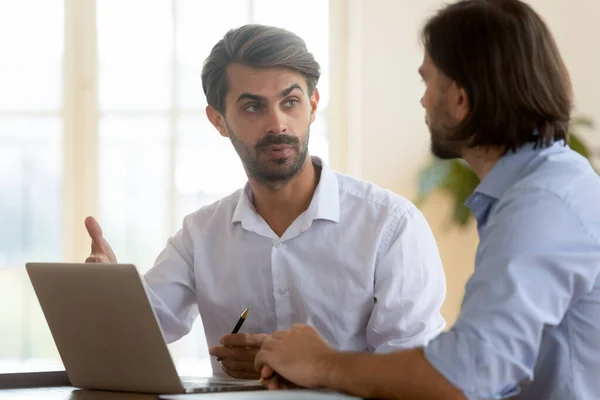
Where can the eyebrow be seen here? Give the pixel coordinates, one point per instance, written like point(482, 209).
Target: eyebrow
point(255, 97)
point(291, 89)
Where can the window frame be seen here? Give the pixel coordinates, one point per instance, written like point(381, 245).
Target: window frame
point(81, 115)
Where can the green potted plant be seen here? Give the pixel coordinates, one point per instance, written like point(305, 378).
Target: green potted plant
point(457, 179)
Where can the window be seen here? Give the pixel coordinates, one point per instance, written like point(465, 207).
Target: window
point(102, 113)
point(31, 170)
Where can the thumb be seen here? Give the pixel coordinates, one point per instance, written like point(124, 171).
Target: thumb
point(266, 372)
point(99, 244)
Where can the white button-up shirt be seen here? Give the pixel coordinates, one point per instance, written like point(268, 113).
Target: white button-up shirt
point(360, 265)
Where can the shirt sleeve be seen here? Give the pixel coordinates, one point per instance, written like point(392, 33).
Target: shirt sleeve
point(533, 261)
point(171, 286)
point(409, 287)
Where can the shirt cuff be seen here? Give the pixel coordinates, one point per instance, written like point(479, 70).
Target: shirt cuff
point(471, 366)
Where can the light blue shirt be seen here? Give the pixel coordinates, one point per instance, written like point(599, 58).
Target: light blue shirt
point(530, 320)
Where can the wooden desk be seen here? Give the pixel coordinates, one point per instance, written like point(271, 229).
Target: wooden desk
point(54, 386)
point(69, 393)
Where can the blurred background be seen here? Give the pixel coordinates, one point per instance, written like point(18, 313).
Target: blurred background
point(102, 113)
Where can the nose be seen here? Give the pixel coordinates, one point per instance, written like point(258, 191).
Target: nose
point(276, 122)
point(422, 101)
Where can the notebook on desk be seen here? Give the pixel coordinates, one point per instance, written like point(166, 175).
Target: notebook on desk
point(107, 334)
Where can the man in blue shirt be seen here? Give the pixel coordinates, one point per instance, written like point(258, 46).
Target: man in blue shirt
point(498, 96)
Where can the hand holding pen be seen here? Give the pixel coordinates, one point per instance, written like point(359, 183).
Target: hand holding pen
point(238, 351)
point(238, 325)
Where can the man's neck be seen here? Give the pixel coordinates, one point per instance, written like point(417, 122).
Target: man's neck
point(280, 206)
point(482, 160)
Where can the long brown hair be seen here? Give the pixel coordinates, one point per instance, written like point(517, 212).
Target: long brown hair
point(504, 56)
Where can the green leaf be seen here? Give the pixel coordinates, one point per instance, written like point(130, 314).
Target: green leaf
point(576, 144)
point(432, 177)
point(462, 215)
point(460, 184)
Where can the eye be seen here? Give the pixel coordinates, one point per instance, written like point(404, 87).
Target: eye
point(291, 103)
point(253, 108)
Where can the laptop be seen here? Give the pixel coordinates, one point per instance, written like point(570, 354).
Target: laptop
point(107, 334)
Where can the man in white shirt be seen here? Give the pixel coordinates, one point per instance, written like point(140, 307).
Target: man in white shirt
point(300, 243)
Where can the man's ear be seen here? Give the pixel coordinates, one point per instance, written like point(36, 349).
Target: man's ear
point(217, 119)
point(314, 103)
point(461, 102)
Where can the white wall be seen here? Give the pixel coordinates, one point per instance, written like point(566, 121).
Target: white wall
point(378, 123)
point(576, 28)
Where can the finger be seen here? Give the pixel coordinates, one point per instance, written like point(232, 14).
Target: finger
point(278, 382)
point(280, 334)
point(273, 384)
point(268, 375)
point(259, 361)
point(93, 228)
point(94, 258)
point(271, 344)
point(233, 353)
point(241, 374)
point(269, 378)
point(262, 363)
point(241, 366)
point(302, 329)
point(266, 372)
point(244, 339)
point(99, 244)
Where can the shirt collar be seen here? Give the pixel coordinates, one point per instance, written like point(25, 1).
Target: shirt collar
point(325, 203)
point(505, 173)
point(508, 170)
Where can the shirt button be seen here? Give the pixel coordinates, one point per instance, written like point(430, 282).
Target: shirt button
point(277, 244)
point(282, 291)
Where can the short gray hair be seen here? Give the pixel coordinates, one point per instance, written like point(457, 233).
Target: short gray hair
point(256, 46)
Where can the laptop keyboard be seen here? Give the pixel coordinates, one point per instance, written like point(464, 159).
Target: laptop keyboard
point(209, 386)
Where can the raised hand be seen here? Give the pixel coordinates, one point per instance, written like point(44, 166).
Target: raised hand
point(101, 250)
